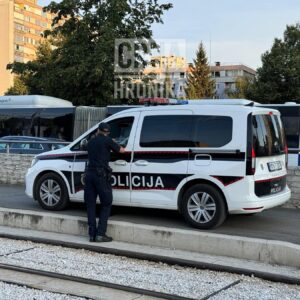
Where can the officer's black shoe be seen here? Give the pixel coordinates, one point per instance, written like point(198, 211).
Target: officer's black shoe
point(103, 239)
point(92, 239)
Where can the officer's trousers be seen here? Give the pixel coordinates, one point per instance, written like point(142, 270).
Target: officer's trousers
point(97, 186)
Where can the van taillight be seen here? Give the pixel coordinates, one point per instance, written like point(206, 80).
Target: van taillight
point(253, 161)
point(286, 152)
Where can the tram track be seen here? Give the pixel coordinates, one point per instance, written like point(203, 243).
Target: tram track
point(25, 258)
point(97, 283)
point(160, 259)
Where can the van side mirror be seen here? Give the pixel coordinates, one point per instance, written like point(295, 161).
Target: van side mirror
point(83, 145)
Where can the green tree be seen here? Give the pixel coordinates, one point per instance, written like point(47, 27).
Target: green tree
point(278, 80)
point(81, 66)
point(199, 82)
point(19, 87)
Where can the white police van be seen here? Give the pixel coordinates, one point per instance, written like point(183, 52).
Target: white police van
point(204, 160)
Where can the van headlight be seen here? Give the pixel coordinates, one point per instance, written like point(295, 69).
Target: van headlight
point(34, 161)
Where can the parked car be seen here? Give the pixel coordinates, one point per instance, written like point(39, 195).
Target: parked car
point(29, 144)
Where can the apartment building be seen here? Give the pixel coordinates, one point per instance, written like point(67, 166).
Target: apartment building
point(22, 23)
point(175, 67)
point(225, 77)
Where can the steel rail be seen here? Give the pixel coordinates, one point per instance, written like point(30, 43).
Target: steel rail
point(89, 281)
point(160, 259)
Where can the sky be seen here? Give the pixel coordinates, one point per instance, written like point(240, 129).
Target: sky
point(233, 31)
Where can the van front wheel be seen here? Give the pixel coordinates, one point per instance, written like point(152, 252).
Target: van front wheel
point(203, 206)
point(52, 193)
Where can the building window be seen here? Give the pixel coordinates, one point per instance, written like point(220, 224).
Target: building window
point(19, 27)
point(217, 74)
point(19, 39)
point(17, 8)
point(182, 75)
point(19, 48)
point(19, 58)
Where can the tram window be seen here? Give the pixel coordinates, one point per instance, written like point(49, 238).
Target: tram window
point(17, 121)
point(40, 122)
point(290, 116)
point(292, 130)
point(56, 123)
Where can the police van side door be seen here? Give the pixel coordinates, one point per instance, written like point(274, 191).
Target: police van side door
point(160, 158)
point(122, 131)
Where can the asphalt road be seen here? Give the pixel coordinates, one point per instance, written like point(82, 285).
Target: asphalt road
point(275, 224)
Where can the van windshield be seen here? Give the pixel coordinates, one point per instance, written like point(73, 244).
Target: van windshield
point(268, 135)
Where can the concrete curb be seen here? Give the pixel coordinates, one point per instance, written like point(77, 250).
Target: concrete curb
point(268, 251)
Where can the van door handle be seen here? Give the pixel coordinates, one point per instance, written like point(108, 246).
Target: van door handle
point(202, 160)
point(202, 157)
point(120, 162)
point(141, 163)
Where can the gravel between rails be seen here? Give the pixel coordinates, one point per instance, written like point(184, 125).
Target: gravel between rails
point(182, 281)
point(15, 292)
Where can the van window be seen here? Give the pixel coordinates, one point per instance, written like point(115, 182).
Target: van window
point(119, 131)
point(186, 131)
point(268, 135)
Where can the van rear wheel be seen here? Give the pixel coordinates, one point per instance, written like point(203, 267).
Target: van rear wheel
point(51, 192)
point(203, 206)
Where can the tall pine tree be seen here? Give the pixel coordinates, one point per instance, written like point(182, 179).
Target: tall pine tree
point(199, 82)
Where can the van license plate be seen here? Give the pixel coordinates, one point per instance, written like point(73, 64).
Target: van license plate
point(274, 166)
point(275, 189)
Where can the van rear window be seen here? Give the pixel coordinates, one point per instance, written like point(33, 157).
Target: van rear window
point(268, 135)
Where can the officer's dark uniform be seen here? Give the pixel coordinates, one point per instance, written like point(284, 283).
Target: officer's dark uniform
point(97, 182)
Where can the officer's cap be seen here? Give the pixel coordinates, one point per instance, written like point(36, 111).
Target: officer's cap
point(104, 127)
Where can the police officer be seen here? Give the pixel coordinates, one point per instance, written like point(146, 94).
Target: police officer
point(97, 182)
